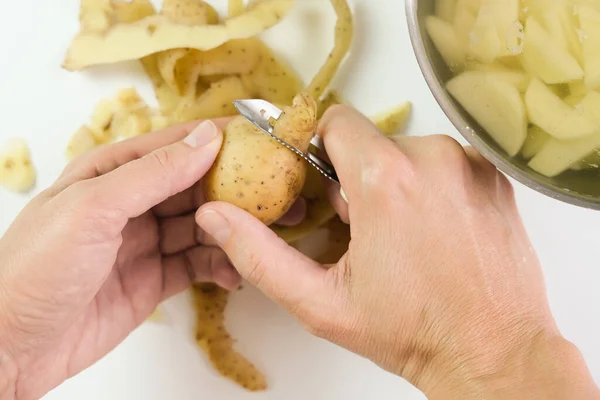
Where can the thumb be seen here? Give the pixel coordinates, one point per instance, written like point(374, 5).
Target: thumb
point(267, 262)
point(141, 184)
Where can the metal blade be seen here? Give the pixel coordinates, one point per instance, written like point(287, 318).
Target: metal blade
point(259, 112)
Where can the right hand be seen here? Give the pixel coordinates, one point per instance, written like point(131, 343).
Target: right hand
point(440, 284)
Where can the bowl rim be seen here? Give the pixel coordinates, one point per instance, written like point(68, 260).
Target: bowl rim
point(500, 161)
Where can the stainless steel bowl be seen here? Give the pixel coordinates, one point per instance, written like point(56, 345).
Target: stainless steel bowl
point(581, 188)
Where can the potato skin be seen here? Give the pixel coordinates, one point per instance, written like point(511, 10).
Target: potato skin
point(255, 173)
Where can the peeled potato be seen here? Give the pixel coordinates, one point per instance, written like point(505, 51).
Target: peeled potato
point(484, 42)
point(495, 105)
point(554, 116)
point(81, 142)
point(589, 19)
point(536, 139)
point(392, 121)
point(16, 170)
point(544, 57)
point(446, 41)
point(255, 172)
point(556, 156)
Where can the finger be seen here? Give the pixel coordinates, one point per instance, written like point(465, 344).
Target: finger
point(295, 215)
point(267, 262)
point(360, 153)
point(180, 233)
point(338, 199)
point(183, 203)
point(109, 157)
point(199, 264)
point(140, 185)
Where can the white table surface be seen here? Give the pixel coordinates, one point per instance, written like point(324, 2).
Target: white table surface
point(45, 104)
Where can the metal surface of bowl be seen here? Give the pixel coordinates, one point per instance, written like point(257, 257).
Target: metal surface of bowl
point(581, 188)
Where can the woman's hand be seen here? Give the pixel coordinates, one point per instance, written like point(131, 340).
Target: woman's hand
point(90, 258)
point(440, 284)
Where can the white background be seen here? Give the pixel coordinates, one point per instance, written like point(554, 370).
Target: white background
point(45, 104)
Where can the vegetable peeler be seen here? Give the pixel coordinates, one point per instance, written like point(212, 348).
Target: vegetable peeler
point(260, 112)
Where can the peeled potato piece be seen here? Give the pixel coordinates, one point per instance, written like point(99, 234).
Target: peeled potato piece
point(484, 42)
point(16, 170)
point(157, 33)
point(495, 105)
point(545, 58)
point(392, 121)
point(446, 41)
point(81, 142)
point(556, 156)
point(590, 107)
point(444, 9)
point(536, 139)
point(589, 20)
point(554, 116)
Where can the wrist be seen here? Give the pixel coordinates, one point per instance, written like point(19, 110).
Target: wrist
point(547, 366)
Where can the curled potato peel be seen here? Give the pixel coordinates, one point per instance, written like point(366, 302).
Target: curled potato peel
point(212, 337)
point(156, 33)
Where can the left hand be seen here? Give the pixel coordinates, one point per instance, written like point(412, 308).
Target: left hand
point(90, 258)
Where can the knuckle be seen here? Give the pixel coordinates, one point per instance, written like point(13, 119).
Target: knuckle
point(161, 158)
point(391, 168)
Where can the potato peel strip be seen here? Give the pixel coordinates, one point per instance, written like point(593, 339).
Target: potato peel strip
point(153, 34)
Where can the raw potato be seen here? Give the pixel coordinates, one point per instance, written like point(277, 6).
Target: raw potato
point(557, 156)
point(210, 302)
point(545, 49)
point(255, 172)
point(153, 34)
point(445, 9)
point(447, 42)
point(17, 173)
point(392, 121)
point(495, 105)
point(344, 34)
point(318, 209)
point(536, 139)
point(554, 116)
point(589, 20)
point(543, 57)
point(81, 142)
point(484, 43)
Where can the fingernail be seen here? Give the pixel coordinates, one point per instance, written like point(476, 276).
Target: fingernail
point(202, 135)
point(343, 194)
point(215, 225)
